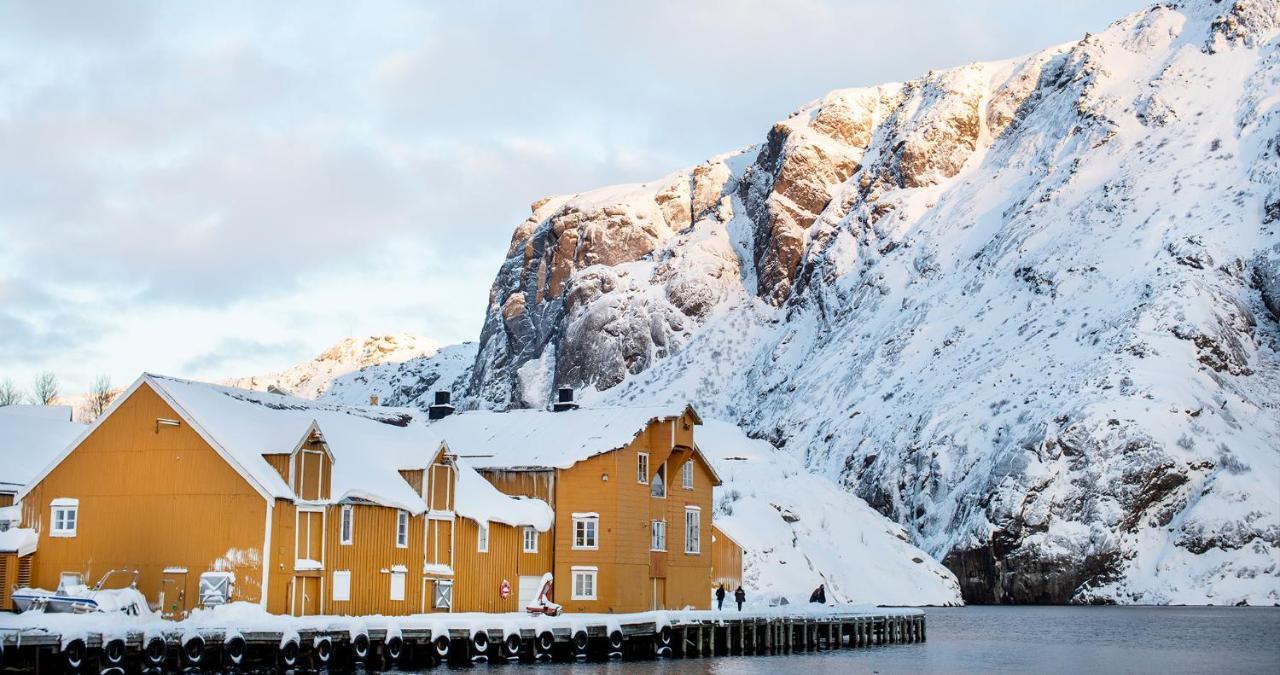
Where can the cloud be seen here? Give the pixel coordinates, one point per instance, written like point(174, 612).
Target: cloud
point(230, 352)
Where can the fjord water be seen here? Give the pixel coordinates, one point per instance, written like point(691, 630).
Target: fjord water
point(1028, 639)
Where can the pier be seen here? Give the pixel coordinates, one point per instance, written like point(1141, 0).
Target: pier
point(87, 644)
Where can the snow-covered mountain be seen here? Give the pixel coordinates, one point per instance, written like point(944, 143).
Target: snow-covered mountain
point(409, 383)
point(1030, 310)
point(313, 378)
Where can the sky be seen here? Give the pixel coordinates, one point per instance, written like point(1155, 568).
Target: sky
point(220, 189)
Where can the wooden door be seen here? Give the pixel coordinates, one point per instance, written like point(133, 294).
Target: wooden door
point(659, 593)
point(173, 594)
point(306, 595)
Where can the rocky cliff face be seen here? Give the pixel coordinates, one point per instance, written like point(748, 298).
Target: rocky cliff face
point(1026, 309)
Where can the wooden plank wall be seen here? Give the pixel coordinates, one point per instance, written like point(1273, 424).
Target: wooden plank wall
point(151, 497)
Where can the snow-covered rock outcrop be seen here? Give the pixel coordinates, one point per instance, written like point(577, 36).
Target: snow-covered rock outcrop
point(1028, 309)
point(410, 383)
point(798, 530)
point(313, 378)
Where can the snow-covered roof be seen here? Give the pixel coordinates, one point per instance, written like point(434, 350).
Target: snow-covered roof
point(18, 540)
point(543, 439)
point(30, 437)
point(480, 501)
point(367, 443)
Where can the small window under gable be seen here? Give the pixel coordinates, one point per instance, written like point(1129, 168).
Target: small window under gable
point(482, 538)
point(642, 467)
point(64, 516)
point(686, 474)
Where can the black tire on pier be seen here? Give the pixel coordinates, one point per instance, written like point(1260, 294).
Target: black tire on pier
point(289, 653)
point(113, 652)
point(662, 641)
point(546, 641)
point(615, 640)
point(1, 655)
point(580, 643)
point(394, 648)
point(511, 645)
point(480, 641)
point(234, 650)
point(155, 651)
point(441, 644)
point(360, 646)
point(74, 654)
point(323, 651)
point(193, 650)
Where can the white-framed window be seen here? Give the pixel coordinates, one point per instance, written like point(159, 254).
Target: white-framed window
point(584, 583)
point(686, 475)
point(692, 530)
point(397, 584)
point(530, 540)
point(402, 529)
point(642, 467)
point(658, 535)
point(341, 585)
point(482, 538)
point(585, 530)
point(346, 531)
point(659, 487)
point(65, 517)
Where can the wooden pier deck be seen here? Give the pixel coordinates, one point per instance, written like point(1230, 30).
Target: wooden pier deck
point(408, 644)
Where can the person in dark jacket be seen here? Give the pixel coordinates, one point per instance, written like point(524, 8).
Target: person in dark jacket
point(720, 597)
point(741, 596)
point(819, 595)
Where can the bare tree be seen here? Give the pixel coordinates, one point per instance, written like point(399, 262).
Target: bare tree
point(100, 396)
point(9, 393)
point(45, 388)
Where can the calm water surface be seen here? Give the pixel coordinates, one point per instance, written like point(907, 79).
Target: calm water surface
point(1022, 640)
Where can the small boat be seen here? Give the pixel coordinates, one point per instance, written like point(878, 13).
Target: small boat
point(74, 597)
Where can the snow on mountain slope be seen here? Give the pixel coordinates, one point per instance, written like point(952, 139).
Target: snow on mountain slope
point(1029, 309)
point(312, 379)
point(799, 530)
point(408, 383)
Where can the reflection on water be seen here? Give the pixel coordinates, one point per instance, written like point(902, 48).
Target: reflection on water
point(1018, 639)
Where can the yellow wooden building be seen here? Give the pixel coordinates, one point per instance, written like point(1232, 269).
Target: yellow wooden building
point(632, 496)
point(311, 507)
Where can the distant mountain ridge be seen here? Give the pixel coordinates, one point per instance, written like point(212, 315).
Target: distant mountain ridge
point(313, 378)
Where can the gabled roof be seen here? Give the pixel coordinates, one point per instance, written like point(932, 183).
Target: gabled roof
point(540, 439)
point(243, 425)
point(30, 437)
point(480, 501)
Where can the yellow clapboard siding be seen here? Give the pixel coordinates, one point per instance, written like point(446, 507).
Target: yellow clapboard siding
point(150, 497)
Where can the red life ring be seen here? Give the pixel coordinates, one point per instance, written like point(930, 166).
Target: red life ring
point(505, 589)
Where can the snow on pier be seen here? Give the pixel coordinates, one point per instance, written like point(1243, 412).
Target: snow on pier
point(242, 635)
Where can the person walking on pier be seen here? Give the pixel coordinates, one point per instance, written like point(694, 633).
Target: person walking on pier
point(740, 596)
point(720, 597)
point(819, 595)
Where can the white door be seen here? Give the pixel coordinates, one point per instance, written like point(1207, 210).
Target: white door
point(529, 587)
